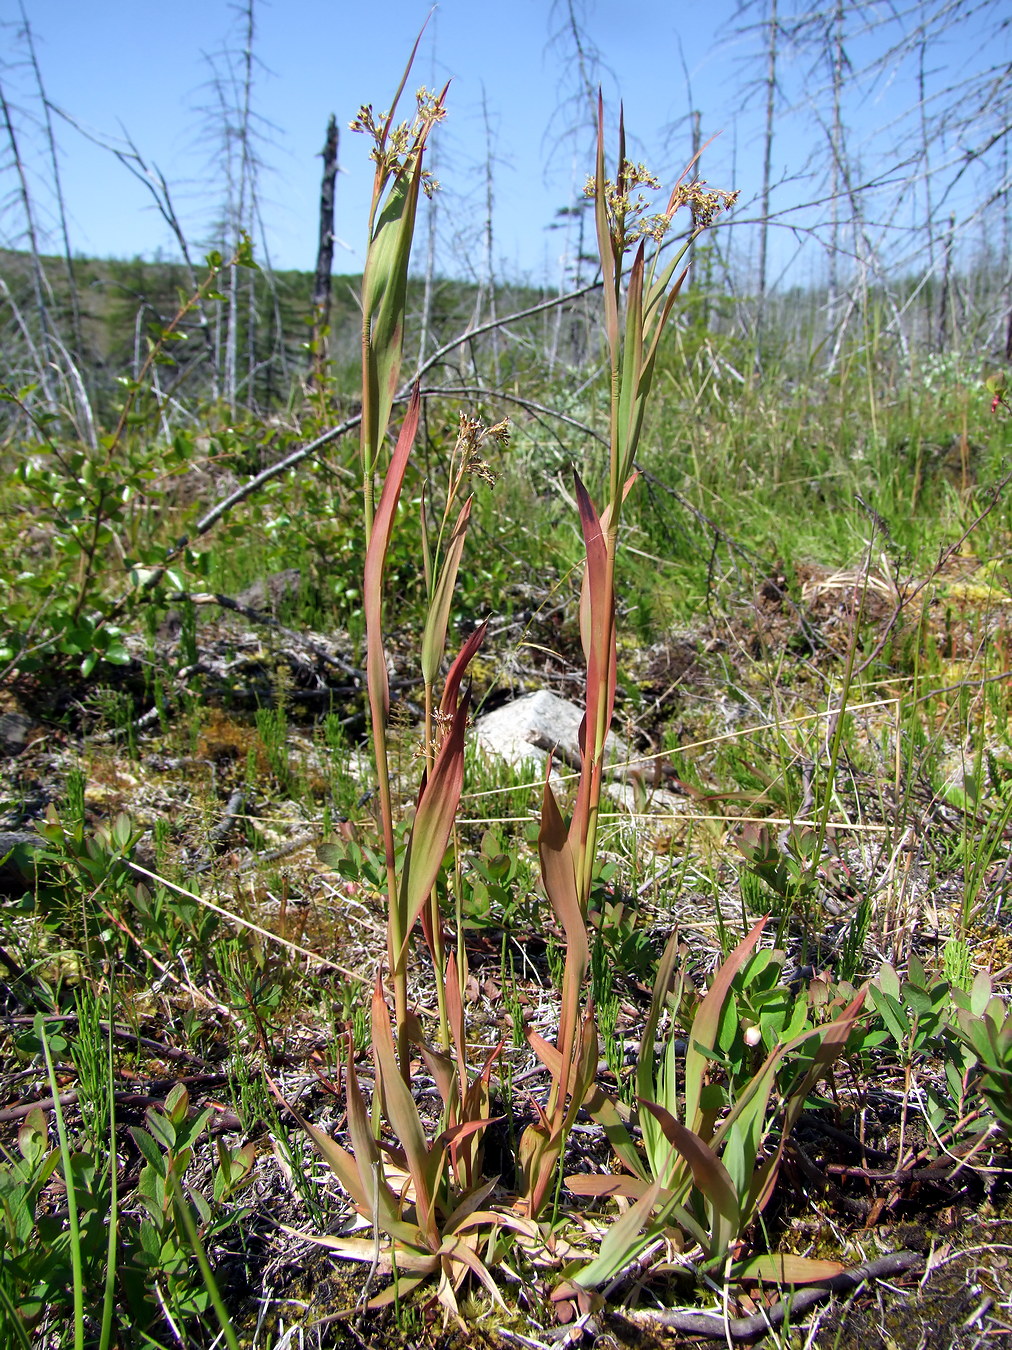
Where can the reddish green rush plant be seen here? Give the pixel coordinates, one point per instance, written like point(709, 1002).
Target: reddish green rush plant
point(439, 795)
point(429, 1198)
point(400, 179)
point(707, 1163)
point(426, 1198)
point(638, 300)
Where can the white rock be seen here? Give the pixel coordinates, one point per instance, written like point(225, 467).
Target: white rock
point(529, 727)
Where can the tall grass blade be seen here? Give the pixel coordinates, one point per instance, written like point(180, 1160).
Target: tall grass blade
point(109, 1293)
point(182, 1209)
point(404, 1119)
point(433, 823)
point(73, 1218)
point(378, 685)
point(438, 617)
point(375, 561)
point(597, 629)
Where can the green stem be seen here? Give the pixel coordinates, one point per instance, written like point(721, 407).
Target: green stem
point(17, 1327)
point(599, 731)
point(435, 920)
point(109, 1295)
point(73, 1219)
point(207, 1274)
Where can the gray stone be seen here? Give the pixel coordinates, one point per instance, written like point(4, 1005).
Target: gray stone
point(269, 593)
point(16, 850)
point(15, 728)
point(645, 800)
point(525, 730)
point(530, 727)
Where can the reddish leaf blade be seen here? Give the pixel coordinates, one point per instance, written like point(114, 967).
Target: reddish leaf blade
point(375, 561)
point(603, 1187)
point(707, 1020)
point(597, 632)
point(455, 1017)
point(402, 1113)
point(437, 805)
point(709, 1175)
point(558, 874)
point(448, 703)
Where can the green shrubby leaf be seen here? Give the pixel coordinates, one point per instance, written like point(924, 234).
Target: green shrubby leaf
point(888, 982)
point(33, 1136)
point(980, 993)
point(148, 1146)
point(890, 1009)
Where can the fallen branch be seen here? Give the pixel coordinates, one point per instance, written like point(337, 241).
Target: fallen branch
point(714, 1327)
point(303, 452)
point(259, 616)
point(154, 1095)
point(234, 808)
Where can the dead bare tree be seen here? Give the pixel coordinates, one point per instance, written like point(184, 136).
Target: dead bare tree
point(54, 168)
point(769, 123)
point(473, 244)
point(240, 162)
point(40, 283)
point(764, 24)
point(485, 297)
point(956, 132)
point(236, 132)
point(839, 66)
point(674, 141)
point(155, 183)
point(324, 254)
point(573, 128)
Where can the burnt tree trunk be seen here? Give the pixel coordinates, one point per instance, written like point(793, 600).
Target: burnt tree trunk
point(772, 48)
point(945, 306)
point(324, 254)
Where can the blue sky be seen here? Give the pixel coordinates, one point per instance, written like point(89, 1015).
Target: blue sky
point(148, 68)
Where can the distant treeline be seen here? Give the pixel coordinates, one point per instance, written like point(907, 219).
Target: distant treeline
point(101, 316)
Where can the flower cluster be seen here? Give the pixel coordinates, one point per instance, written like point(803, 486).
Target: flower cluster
point(472, 438)
point(395, 146)
point(704, 205)
point(626, 205)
